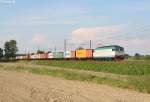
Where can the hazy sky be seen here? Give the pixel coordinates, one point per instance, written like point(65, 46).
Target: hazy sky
point(45, 24)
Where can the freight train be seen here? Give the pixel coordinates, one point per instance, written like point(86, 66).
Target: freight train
point(112, 52)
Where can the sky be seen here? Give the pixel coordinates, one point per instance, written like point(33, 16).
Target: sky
point(44, 24)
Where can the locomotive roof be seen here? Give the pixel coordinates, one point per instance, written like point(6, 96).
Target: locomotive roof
point(110, 46)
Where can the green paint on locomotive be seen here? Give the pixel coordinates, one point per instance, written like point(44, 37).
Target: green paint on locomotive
point(113, 47)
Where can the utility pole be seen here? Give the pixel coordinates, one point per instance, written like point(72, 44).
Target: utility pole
point(90, 44)
point(65, 46)
point(55, 48)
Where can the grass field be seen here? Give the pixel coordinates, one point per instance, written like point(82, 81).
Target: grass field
point(124, 68)
point(137, 72)
point(23, 86)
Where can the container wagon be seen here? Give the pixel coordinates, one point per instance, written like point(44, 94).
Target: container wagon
point(57, 55)
point(112, 52)
point(70, 55)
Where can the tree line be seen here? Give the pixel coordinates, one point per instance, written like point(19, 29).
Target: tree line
point(137, 56)
point(9, 51)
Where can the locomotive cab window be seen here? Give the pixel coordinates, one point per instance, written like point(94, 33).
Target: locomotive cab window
point(113, 50)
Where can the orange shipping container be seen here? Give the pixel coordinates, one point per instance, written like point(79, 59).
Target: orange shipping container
point(86, 53)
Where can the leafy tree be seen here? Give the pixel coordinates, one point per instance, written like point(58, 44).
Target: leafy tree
point(10, 49)
point(80, 48)
point(1, 53)
point(40, 52)
point(32, 53)
point(137, 56)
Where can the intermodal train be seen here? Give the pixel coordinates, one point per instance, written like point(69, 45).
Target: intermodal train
point(111, 52)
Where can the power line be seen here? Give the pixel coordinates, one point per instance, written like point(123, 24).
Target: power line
point(130, 34)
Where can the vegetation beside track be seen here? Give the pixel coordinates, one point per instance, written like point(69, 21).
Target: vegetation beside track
point(123, 68)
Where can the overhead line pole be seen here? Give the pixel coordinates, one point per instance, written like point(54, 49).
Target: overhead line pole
point(65, 46)
point(55, 48)
point(90, 44)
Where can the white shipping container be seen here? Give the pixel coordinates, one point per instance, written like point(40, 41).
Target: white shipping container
point(31, 56)
point(68, 54)
point(50, 55)
point(36, 56)
point(21, 57)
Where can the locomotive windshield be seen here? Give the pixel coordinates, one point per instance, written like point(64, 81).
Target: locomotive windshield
point(117, 48)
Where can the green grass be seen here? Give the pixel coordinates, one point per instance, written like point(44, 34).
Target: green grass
point(139, 83)
point(124, 68)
